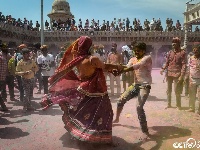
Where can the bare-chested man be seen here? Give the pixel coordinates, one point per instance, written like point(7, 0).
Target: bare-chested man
point(114, 58)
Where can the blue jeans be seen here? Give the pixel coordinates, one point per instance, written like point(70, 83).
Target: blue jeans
point(142, 92)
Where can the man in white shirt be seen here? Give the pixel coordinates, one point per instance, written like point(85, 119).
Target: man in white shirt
point(141, 64)
point(46, 63)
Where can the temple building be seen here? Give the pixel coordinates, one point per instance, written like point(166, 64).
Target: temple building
point(60, 11)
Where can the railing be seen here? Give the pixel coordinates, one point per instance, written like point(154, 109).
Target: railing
point(97, 34)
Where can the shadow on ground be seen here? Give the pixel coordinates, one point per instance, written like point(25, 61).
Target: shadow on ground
point(79, 145)
point(4, 121)
point(12, 133)
point(167, 132)
point(154, 98)
point(159, 134)
point(53, 110)
point(126, 126)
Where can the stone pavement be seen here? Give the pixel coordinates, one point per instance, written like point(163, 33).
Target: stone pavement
point(44, 130)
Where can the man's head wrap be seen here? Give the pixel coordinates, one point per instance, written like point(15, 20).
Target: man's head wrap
point(114, 44)
point(176, 40)
point(22, 46)
point(44, 48)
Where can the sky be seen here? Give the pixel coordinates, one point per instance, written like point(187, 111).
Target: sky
point(100, 9)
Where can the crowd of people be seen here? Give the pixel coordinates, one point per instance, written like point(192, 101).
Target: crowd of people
point(76, 80)
point(24, 66)
point(182, 70)
point(94, 25)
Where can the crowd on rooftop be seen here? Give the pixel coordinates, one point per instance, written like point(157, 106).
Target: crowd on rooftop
point(94, 25)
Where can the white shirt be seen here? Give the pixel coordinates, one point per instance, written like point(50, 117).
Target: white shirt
point(46, 61)
point(142, 69)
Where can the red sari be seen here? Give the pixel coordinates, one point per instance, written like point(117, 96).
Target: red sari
point(87, 108)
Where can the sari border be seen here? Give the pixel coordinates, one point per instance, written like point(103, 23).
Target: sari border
point(91, 94)
point(83, 134)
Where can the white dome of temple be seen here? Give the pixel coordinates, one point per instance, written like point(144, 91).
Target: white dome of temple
point(60, 10)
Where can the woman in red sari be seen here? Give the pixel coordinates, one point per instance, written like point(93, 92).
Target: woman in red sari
point(79, 87)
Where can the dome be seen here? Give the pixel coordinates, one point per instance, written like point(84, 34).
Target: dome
point(59, 2)
point(60, 11)
point(60, 6)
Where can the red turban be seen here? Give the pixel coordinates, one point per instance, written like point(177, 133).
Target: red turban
point(176, 40)
point(22, 46)
point(114, 44)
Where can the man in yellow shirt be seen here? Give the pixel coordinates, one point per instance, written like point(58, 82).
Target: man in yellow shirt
point(26, 68)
